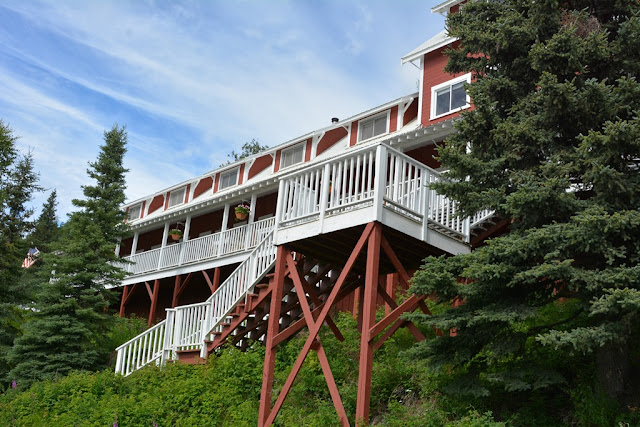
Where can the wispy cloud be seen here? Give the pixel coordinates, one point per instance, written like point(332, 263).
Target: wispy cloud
point(192, 79)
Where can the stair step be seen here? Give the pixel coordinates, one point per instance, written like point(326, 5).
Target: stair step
point(262, 286)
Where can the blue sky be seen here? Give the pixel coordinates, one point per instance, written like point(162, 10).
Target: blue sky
point(193, 80)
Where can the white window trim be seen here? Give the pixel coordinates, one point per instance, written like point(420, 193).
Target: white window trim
point(236, 170)
point(139, 206)
point(373, 118)
point(434, 89)
point(292, 148)
point(183, 190)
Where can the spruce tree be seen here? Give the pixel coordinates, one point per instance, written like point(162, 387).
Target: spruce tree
point(65, 332)
point(45, 228)
point(553, 146)
point(18, 183)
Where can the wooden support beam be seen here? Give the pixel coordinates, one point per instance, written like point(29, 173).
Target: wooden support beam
point(391, 303)
point(179, 287)
point(302, 287)
point(313, 330)
point(326, 369)
point(409, 304)
point(216, 279)
point(363, 398)
point(123, 300)
point(154, 300)
point(176, 288)
point(277, 284)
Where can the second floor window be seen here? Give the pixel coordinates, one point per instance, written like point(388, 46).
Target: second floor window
point(134, 212)
point(228, 179)
point(373, 127)
point(176, 197)
point(291, 156)
point(449, 97)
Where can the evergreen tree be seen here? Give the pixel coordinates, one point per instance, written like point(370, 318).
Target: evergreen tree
point(553, 145)
point(65, 332)
point(45, 230)
point(18, 183)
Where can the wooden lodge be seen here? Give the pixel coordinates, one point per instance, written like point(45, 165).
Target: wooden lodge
point(339, 218)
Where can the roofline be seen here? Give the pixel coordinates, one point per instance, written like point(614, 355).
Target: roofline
point(417, 55)
point(433, 132)
point(445, 6)
point(274, 149)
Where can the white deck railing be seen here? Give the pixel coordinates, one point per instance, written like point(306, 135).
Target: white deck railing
point(352, 181)
point(142, 350)
point(215, 245)
point(187, 327)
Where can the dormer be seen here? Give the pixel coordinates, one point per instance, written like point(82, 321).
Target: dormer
point(442, 95)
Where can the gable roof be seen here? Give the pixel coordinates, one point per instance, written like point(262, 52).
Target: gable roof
point(436, 42)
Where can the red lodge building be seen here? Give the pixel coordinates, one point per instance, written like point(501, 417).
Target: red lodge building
point(339, 219)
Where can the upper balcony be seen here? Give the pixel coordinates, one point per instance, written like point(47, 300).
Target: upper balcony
point(374, 183)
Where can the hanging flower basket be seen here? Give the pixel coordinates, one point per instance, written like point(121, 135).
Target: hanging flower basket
point(175, 234)
point(242, 211)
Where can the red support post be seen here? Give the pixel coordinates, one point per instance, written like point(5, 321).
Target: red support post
point(154, 301)
point(123, 300)
point(368, 321)
point(272, 331)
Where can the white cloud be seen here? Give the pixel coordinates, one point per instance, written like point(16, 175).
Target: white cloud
point(192, 80)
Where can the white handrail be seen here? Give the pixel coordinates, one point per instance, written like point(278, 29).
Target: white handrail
point(219, 244)
point(187, 327)
point(141, 350)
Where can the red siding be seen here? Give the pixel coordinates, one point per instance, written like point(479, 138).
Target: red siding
point(434, 63)
point(202, 187)
point(265, 205)
point(211, 221)
point(425, 155)
point(393, 119)
point(166, 200)
point(277, 161)
point(330, 137)
point(241, 174)
point(354, 134)
point(411, 113)
point(144, 203)
point(186, 193)
point(260, 164)
point(156, 203)
point(217, 183)
point(307, 150)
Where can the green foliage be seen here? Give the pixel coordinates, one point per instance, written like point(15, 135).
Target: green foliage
point(18, 183)
point(554, 146)
point(247, 149)
point(226, 391)
point(45, 231)
point(66, 330)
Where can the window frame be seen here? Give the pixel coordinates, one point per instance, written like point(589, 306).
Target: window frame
point(136, 206)
point(374, 118)
point(450, 83)
point(235, 170)
point(182, 189)
point(300, 146)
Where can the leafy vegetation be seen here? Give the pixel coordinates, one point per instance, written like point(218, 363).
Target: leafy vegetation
point(65, 330)
point(248, 149)
point(552, 308)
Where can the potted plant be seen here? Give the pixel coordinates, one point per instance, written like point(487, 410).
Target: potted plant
point(242, 211)
point(175, 233)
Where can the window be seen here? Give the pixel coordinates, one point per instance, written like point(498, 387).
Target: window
point(176, 197)
point(134, 212)
point(373, 127)
point(228, 179)
point(291, 156)
point(449, 97)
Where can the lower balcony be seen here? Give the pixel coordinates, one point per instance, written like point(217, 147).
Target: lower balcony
point(225, 247)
